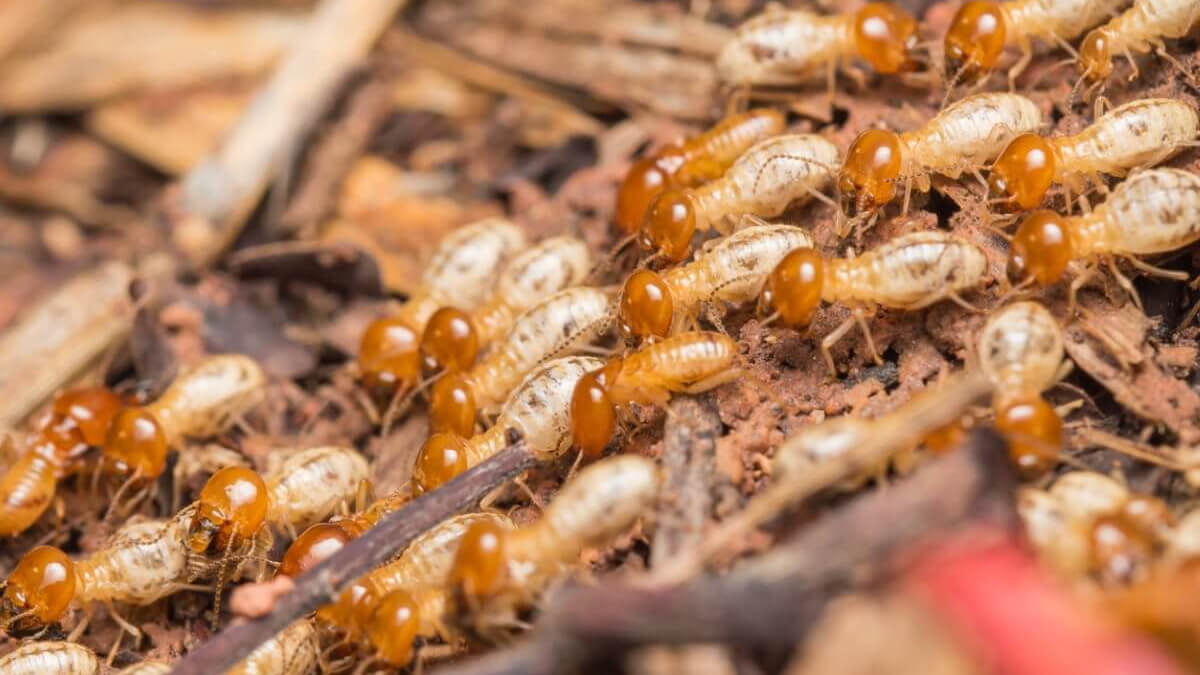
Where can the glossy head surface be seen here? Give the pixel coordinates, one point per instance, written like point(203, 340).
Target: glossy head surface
point(450, 340)
point(136, 444)
point(452, 405)
point(1034, 433)
point(644, 181)
point(313, 545)
point(593, 414)
point(885, 36)
point(975, 38)
point(478, 569)
point(393, 627)
point(1041, 248)
point(92, 409)
point(793, 288)
point(669, 226)
point(442, 457)
point(38, 591)
point(1149, 513)
point(1095, 56)
point(389, 356)
point(1024, 171)
point(231, 508)
point(1121, 551)
point(646, 305)
point(868, 176)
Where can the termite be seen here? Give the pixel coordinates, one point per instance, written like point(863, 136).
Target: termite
point(1140, 29)
point(690, 162)
point(655, 305)
point(41, 658)
point(453, 337)
point(562, 324)
point(1151, 212)
point(688, 363)
point(981, 29)
point(292, 651)
point(779, 47)
point(322, 540)
point(78, 420)
point(459, 274)
point(1021, 351)
point(146, 668)
point(961, 138)
point(498, 570)
point(310, 485)
point(539, 409)
point(763, 182)
point(910, 272)
point(1138, 134)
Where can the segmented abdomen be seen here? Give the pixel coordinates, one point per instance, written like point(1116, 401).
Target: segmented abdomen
point(909, 272)
point(769, 177)
point(310, 485)
point(1153, 212)
point(969, 133)
point(540, 407)
point(679, 361)
point(734, 269)
point(27, 489)
point(1021, 349)
point(50, 658)
point(293, 651)
point(782, 47)
point(1137, 134)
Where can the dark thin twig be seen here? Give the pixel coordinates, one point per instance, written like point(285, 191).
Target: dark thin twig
point(321, 584)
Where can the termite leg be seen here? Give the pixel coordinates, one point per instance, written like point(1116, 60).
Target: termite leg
point(832, 339)
point(1147, 268)
point(1022, 63)
point(1085, 275)
point(957, 299)
point(1132, 64)
point(1124, 282)
point(128, 627)
point(77, 631)
point(860, 318)
point(713, 381)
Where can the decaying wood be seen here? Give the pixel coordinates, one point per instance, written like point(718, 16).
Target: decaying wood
point(771, 601)
point(217, 196)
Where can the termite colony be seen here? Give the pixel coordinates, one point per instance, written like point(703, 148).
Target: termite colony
point(724, 271)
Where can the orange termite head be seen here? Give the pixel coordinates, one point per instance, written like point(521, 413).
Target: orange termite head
point(450, 341)
point(136, 444)
point(442, 457)
point(1024, 171)
point(393, 627)
point(793, 288)
point(1121, 550)
point(452, 406)
point(389, 356)
point(232, 507)
point(646, 179)
point(1041, 249)
point(91, 408)
point(593, 412)
point(479, 569)
point(669, 225)
point(975, 38)
point(312, 547)
point(38, 591)
point(1034, 432)
point(885, 36)
point(867, 179)
point(646, 308)
point(1149, 513)
point(1095, 56)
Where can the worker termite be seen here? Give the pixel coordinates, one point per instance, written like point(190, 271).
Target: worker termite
point(1140, 29)
point(562, 324)
point(453, 338)
point(688, 363)
point(41, 658)
point(961, 138)
point(656, 305)
point(322, 540)
point(764, 181)
point(292, 651)
point(780, 47)
point(312, 484)
point(1138, 134)
point(498, 570)
point(690, 162)
point(539, 409)
point(78, 420)
point(146, 668)
point(459, 274)
point(909, 272)
point(1151, 212)
point(981, 29)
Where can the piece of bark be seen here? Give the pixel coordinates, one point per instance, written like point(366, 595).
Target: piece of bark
point(339, 266)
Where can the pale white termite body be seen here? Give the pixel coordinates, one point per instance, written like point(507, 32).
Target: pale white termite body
point(208, 398)
point(1138, 30)
point(311, 485)
point(909, 272)
point(292, 651)
point(1021, 350)
point(965, 136)
point(1153, 211)
point(1138, 134)
point(778, 48)
point(50, 658)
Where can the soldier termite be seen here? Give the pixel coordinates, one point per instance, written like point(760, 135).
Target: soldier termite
point(1138, 134)
point(909, 272)
point(763, 182)
point(656, 305)
point(1151, 212)
point(1139, 29)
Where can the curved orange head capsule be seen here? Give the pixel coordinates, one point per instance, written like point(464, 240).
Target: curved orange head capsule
point(794, 287)
point(884, 36)
point(313, 545)
point(136, 444)
point(1034, 432)
point(1095, 56)
point(975, 38)
point(452, 405)
point(1120, 549)
point(441, 458)
point(478, 569)
point(869, 173)
point(450, 340)
point(393, 627)
point(389, 356)
point(232, 507)
point(646, 305)
point(1149, 513)
point(1024, 171)
point(1041, 248)
point(91, 408)
point(669, 226)
point(38, 591)
point(646, 179)
point(593, 412)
